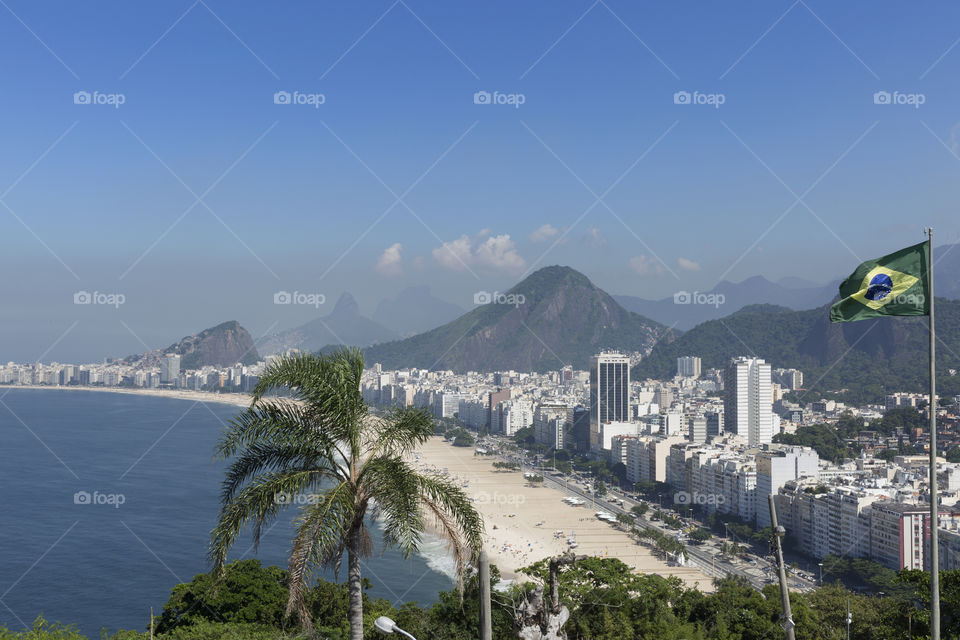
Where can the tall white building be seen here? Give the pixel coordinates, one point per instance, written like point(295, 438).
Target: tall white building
point(170, 369)
point(688, 366)
point(747, 401)
point(609, 394)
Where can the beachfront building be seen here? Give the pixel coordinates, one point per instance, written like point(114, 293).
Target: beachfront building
point(474, 412)
point(609, 397)
point(609, 430)
point(510, 416)
point(775, 467)
point(551, 422)
point(170, 369)
point(646, 457)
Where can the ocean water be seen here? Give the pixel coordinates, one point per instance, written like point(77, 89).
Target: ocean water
point(107, 501)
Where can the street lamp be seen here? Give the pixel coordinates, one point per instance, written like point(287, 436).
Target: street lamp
point(821, 573)
point(386, 625)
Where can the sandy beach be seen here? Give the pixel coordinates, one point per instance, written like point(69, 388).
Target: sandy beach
point(526, 523)
point(235, 399)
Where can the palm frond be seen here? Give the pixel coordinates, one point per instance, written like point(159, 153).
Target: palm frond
point(322, 530)
point(455, 516)
point(293, 374)
point(258, 458)
point(256, 504)
point(401, 430)
point(274, 421)
point(393, 484)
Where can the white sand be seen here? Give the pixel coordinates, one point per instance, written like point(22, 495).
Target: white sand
point(521, 520)
point(235, 399)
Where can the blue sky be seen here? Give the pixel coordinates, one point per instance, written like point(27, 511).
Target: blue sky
point(199, 197)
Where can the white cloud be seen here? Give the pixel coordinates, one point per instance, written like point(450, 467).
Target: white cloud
point(646, 266)
point(390, 262)
point(688, 265)
point(494, 252)
point(594, 238)
point(544, 233)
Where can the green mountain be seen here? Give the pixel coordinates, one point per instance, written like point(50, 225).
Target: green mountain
point(223, 345)
point(554, 317)
point(868, 358)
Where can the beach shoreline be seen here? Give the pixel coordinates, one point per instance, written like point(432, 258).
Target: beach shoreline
point(527, 523)
point(235, 399)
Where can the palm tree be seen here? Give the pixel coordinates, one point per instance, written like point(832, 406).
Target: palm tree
point(322, 443)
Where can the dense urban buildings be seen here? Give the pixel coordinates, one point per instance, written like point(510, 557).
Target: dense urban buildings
point(705, 433)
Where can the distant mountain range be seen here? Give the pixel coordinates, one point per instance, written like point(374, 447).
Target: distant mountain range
point(554, 317)
point(223, 345)
point(869, 358)
point(345, 325)
point(687, 309)
point(414, 311)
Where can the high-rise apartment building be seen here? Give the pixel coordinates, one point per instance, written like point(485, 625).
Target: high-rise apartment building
point(688, 366)
point(747, 403)
point(609, 394)
point(170, 369)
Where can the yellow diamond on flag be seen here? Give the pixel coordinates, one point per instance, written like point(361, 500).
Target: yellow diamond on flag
point(882, 285)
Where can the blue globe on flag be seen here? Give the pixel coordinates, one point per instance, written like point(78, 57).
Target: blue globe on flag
point(880, 287)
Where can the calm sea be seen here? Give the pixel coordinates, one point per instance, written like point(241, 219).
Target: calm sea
point(107, 501)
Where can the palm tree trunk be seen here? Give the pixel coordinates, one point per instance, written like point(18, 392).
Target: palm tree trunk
point(355, 586)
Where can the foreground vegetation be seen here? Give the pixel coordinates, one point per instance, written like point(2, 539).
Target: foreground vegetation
point(326, 444)
point(607, 601)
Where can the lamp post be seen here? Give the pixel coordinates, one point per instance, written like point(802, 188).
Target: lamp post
point(386, 625)
point(849, 618)
point(821, 573)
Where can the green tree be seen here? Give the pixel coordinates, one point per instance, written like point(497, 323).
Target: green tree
point(246, 593)
point(640, 509)
point(699, 535)
point(600, 488)
point(324, 441)
point(464, 440)
point(563, 466)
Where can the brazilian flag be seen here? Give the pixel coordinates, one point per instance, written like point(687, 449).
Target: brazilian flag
point(894, 285)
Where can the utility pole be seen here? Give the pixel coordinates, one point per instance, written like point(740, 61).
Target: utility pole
point(486, 620)
point(934, 498)
point(779, 532)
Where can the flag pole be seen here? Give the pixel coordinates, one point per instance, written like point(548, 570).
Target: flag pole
point(934, 499)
